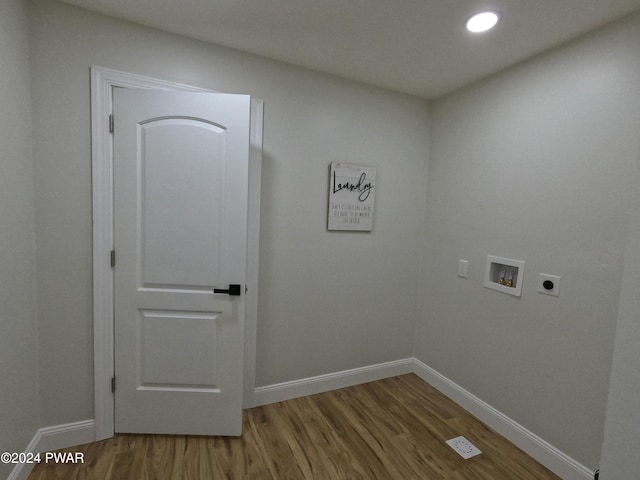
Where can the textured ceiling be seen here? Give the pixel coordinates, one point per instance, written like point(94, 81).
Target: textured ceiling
point(413, 46)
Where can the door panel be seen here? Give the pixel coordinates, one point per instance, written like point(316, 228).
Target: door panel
point(180, 219)
point(182, 192)
point(169, 343)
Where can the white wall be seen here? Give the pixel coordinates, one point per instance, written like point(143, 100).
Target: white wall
point(620, 458)
point(535, 163)
point(328, 301)
point(19, 418)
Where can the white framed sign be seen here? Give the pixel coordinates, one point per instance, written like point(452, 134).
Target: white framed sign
point(351, 197)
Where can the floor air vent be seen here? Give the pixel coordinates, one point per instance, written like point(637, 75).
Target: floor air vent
point(464, 447)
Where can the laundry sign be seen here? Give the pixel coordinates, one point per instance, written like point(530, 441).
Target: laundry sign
point(351, 197)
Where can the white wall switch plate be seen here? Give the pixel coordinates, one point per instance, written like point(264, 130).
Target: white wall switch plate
point(549, 284)
point(463, 268)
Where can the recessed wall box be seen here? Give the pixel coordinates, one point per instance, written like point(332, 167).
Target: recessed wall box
point(504, 275)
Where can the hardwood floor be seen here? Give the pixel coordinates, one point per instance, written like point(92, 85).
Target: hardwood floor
point(390, 429)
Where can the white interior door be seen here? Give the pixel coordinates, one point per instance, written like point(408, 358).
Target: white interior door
point(180, 227)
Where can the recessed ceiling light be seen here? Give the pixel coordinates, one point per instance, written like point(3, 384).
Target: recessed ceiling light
point(483, 21)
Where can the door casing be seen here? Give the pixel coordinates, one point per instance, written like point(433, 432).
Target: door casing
point(103, 80)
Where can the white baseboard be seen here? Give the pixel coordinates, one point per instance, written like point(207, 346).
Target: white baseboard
point(62, 436)
point(52, 438)
point(332, 381)
point(549, 456)
point(559, 463)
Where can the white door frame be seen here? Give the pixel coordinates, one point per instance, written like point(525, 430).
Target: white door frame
point(103, 80)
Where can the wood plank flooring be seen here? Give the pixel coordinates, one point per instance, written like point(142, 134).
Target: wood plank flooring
point(390, 429)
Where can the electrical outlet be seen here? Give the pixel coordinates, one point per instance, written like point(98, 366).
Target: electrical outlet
point(549, 284)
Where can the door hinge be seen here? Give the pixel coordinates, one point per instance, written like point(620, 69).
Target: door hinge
point(111, 123)
point(113, 384)
point(113, 258)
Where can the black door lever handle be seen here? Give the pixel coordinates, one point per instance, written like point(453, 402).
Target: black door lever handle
point(234, 289)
